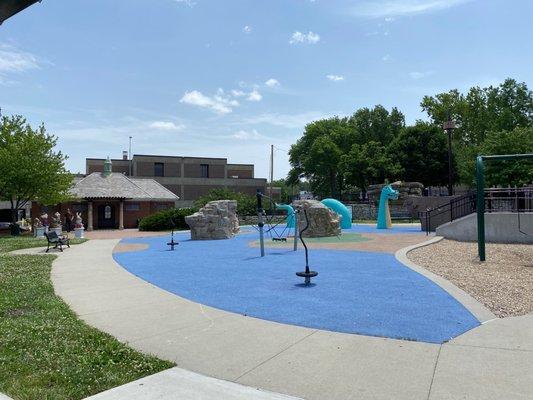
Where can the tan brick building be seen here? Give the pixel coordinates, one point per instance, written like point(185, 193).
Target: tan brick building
point(187, 177)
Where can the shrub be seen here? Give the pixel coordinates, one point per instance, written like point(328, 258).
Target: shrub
point(163, 220)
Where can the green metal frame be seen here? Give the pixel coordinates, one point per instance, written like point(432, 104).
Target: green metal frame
point(480, 181)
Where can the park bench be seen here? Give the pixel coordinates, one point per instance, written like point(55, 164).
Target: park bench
point(57, 241)
point(401, 215)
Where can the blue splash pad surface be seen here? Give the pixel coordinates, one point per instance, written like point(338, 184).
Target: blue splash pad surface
point(355, 292)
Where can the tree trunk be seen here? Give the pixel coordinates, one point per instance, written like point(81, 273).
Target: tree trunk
point(14, 215)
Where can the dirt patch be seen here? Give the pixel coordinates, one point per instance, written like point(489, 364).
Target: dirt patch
point(375, 242)
point(129, 247)
point(503, 283)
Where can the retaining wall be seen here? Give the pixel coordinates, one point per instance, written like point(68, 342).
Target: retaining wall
point(499, 228)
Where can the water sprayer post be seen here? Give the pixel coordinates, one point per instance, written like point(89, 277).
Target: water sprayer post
point(260, 222)
point(307, 274)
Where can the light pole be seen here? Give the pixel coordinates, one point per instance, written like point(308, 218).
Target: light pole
point(449, 126)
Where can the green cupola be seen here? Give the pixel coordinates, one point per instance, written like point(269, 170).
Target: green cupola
point(108, 167)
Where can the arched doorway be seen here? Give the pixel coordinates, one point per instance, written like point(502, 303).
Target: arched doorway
point(106, 216)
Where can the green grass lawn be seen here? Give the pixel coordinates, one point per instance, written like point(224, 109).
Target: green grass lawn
point(45, 351)
point(10, 243)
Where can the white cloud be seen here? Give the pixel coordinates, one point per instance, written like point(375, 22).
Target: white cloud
point(247, 135)
point(238, 93)
point(399, 8)
point(247, 29)
point(290, 121)
point(166, 126)
point(254, 96)
point(272, 83)
point(299, 37)
point(419, 75)
point(188, 3)
point(335, 78)
point(221, 102)
point(216, 103)
point(386, 58)
point(13, 60)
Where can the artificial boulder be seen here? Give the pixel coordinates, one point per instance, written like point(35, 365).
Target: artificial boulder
point(322, 220)
point(216, 220)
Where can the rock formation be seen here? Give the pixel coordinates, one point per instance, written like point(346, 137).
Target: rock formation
point(216, 220)
point(322, 220)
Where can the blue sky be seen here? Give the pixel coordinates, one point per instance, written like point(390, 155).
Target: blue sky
point(229, 78)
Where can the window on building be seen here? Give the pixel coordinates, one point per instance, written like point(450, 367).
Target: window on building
point(132, 207)
point(162, 206)
point(159, 169)
point(204, 170)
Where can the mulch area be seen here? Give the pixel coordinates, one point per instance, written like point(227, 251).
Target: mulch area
point(503, 283)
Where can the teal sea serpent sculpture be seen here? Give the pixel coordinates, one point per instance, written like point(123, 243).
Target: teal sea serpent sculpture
point(387, 193)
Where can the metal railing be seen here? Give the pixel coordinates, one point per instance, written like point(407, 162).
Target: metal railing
point(454, 209)
point(496, 200)
point(509, 200)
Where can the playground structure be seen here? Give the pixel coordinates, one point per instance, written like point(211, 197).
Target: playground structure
point(384, 218)
point(291, 216)
point(172, 242)
point(480, 206)
point(307, 274)
point(342, 210)
point(261, 218)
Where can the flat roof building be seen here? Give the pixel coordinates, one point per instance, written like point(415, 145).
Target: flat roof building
point(187, 177)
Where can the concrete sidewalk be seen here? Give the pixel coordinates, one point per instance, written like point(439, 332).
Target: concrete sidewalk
point(176, 383)
point(494, 361)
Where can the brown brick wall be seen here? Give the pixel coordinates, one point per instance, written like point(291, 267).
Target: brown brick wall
point(191, 171)
point(241, 173)
point(144, 168)
point(216, 171)
point(131, 217)
point(194, 171)
point(193, 192)
point(95, 165)
point(123, 169)
point(176, 189)
point(94, 168)
point(173, 169)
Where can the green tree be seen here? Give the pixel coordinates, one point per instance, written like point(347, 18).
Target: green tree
point(30, 169)
point(286, 190)
point(422, 154)
point(376, 124)
point(507, 173)
point(368, 164)
point(482, 110)
point(316, 155)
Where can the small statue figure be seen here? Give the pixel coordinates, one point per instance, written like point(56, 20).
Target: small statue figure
point(44, 219)
point(79, 221)
point(37, 223)
point(56, 220)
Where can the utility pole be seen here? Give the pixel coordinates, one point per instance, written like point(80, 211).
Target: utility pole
point(271, 169)
point(130, 157)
